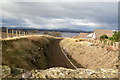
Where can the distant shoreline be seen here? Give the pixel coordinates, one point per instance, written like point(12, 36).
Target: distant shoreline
point(52, 30)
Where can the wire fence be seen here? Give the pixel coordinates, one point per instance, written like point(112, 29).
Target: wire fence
point(9, 33)
point(104, 43)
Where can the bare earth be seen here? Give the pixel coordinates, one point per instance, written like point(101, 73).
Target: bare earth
point(56, 57)
point(90, 57)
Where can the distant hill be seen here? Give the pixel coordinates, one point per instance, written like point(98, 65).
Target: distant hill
point(56, 30)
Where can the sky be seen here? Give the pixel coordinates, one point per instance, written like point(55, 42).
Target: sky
point(85, 16)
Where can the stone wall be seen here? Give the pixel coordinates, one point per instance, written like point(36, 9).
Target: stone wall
point(64, 73)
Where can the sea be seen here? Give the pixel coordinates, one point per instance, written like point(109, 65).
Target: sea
point(68, 34)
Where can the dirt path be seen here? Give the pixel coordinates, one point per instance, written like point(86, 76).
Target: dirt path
point(56, 58)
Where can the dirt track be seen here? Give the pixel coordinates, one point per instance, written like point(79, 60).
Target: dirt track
point(56, 58)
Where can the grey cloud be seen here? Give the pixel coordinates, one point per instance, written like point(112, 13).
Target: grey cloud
point(41, 14)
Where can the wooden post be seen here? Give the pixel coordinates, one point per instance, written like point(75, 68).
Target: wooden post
point(19, 33)
point(27, 33)
point(95, 41)
point(98, 42)
point(24, 33)
point(102, 43)
point(12, 33)
point(7, 32)
point(16, 33)
point(113, 44)
point(107, 43)
point(117, 44)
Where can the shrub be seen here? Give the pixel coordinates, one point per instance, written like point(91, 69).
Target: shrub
point(81, 40)
point(76, 40)
point(103, 37)
point(115, 37)
point(45, 32)
point(56, 34)
point(105, 41)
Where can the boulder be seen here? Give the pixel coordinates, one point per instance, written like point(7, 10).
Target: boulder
point(6, 71)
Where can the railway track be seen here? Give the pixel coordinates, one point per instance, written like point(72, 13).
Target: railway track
point(58, 58)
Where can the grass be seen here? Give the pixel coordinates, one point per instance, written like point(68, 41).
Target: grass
point(25, 53)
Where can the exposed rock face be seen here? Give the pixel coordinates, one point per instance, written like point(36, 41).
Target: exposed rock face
point(60, 72)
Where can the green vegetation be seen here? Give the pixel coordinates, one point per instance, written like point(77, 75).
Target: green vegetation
point(56, 34)
point(103, 37)
point(45, 32)
point(78, 40)
point(115, 37)
point(81, 40)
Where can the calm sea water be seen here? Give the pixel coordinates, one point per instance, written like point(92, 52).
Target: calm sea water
point(67, 34)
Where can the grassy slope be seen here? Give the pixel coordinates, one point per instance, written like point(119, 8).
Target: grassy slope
point(90, 56)
point(28, 53)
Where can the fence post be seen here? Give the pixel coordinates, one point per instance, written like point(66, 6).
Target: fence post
point(97, 42)
point(102, 43)
point(7, 32)
point(107, 43)
point(16, 33)
point(113, 44)
point(117, 44)
point(12, 33)
point(19, 33)
point(24, 33)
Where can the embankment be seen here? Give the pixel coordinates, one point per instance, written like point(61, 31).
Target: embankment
point(42, 57)
point(27, 53)
point(90, 56)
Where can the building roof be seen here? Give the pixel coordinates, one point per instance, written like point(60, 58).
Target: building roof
point(99, 32)
point(82, 35)
point(90, 35)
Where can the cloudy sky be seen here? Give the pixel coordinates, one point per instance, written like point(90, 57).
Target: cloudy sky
point(54, 15)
